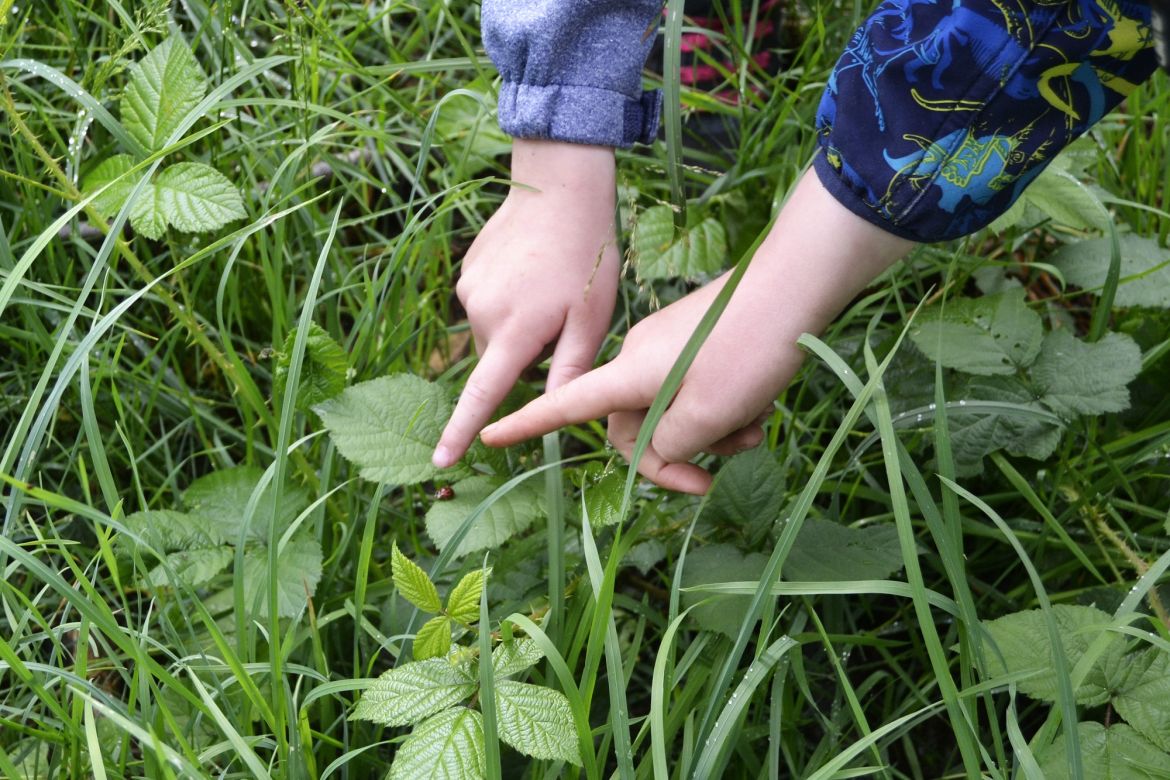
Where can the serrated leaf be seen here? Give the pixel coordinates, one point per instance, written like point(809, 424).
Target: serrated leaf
point(1022, 638)
point(1025, 428)
point(514, 657)
point(433, 640)
point(537, 721)
point(146, 217)
point(660, 253)
point(995, 334)
point(413, 583)
point(389, 427)
point(1077, 377)
point(514, 512)
point(644, 556)
point(470, 134)
point(109, 170)
point(825, 551)
point(323, 370)
point(1116, 752)
point(603, 496)
point(219, 500)
point(749, 489)
point(720, 563)
point(164, 87)
point(414, 691)
point(1064, 198)
point(191, 567)
point(194, 197)
point(298, 570)
point(448, 746)
point(1141, 694)
point(463, 600)
point(1145, 269)
point(167, 531)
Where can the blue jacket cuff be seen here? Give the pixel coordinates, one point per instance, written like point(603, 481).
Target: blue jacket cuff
point(576, 114)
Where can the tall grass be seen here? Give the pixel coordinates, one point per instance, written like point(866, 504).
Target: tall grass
point(362, 137)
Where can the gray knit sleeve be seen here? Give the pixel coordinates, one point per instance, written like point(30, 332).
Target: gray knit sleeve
point(572, 69)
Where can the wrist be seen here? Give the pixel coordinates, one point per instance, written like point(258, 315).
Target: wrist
point(555, 169)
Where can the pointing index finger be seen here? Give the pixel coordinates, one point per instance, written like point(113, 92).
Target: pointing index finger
point(591, 396)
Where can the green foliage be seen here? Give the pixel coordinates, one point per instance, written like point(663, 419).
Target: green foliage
point(513, 513)
point(720, 563)
point(1145, 269)
point(825, 551)
point(1114, 752)
point(448, 746)
point(660, 253)
point(463, 600)
point(603, 496)
point(298, 570)
point(323, 371)
point(1140, 687)
point(433, 640)
point(1078, 378)
point(389, 427)
point(165, 86)
point(995, 334)
point(514, 656)
point(409, 693)
point(536, 721)
point(413, 583)
point(750, 489)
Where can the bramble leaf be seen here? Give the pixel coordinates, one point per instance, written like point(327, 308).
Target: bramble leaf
point(323, 371)
point(389, 427)
point(298, 570)
point(1141, 694)
point(413, 583)
point(193, 197)
point(661, 254)
point(414, 691)
point(994, 334)
point(109, 170)
point(164, 87)
point(748, 489)
point(514, 657)
point(720, 563)
point(512, 513)
point(433, 640)
point(1145, 269)
point(219, 500)
point(603, 496)
point(448, 746)
point(1115, 752)
point(463, 600)
point(193, 567)
point(1017, 423)
point(825, 551)
point(537, 721)
point(1022, 638)
point(1077, 377)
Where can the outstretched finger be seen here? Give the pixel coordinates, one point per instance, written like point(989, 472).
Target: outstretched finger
point(497, 371)
point(683, 477)
point(589, 397)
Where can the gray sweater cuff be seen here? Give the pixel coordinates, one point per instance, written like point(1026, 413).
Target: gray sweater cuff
point(584, 115)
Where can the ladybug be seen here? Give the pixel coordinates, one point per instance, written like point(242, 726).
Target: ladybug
point(445, 493)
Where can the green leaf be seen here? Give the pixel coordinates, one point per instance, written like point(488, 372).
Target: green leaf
point(323, 370)
point(661, 254)
point(1022, 638)
point(749, 489)
point(164, 87)
point(108, 170)
point(995, 334)
point(825, 551)
point(1025, 428)
point(515, 656)
point(1141, 694)
point(413, 583)
point(1113, 753)
point(1076, 377)
point(1064, 198)
point(192, 567)
point(514, 512)
point(146, 217)
point(219, 500)
point(433, 640)
point(167, 530)
point(298, 570)
point(193, 197)
point(1145, 269)
point(414, 691)
point(644, 556)
point(720, 563)
point(448, 746)
point(471, 135)
point(537, 721)
point(603, 496)
point(463, 600)
point(389, 427)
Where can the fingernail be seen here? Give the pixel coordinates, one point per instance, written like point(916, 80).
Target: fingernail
point(442, 457)
point(489, 429)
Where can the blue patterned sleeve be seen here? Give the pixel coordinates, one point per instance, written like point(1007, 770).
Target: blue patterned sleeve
point(940, 112)
point(572, 69)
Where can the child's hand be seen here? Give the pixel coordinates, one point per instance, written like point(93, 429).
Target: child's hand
point(544, 269)
point(817, 257)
